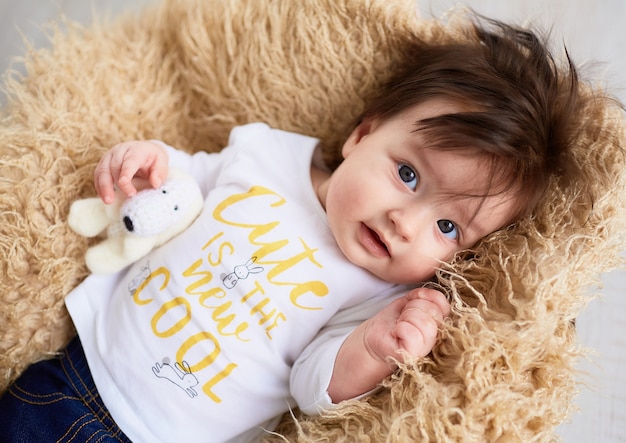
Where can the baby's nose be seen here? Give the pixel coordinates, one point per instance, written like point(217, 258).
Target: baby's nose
point(407, 222)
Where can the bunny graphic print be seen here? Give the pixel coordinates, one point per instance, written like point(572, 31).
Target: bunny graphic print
point(198, 340)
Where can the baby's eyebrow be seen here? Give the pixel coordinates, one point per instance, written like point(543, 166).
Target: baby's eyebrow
point(465, 214)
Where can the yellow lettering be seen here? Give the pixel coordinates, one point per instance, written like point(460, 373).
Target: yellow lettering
point(206, 361)
point(224, 321)
point(257, 288)
point(254, 191)
point(266, 248)
point(274, 324)
point(258, 309)
point(205, 277)
point(212, 293)
point(284, 265)
point(194, 340)
point(160, 271)
point(257, 230)
point(207, 388)
point(168, 307)
point(317, 288)
point(210, 242)
point(214, 262)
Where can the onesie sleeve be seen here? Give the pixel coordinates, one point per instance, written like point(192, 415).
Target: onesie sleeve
point(312, 371)
point(205, 167)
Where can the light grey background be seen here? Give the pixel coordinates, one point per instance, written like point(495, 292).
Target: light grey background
point(594, 31)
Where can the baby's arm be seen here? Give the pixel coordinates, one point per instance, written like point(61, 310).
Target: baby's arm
point(409, 324)
point(333, 361)
point(125, 161)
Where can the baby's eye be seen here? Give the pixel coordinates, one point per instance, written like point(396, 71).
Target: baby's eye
point(408, 176)
point(448, 229)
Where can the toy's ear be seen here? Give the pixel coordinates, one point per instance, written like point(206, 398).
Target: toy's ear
point(88, 217)
point(114, 254)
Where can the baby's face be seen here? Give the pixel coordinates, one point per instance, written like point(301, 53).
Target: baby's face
point(396, 208)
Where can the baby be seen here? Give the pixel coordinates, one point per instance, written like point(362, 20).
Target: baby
point(296, 286)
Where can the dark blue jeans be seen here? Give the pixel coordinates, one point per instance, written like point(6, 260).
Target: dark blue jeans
point(57, 401)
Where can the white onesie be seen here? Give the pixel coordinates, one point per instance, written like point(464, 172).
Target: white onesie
point(214, 335)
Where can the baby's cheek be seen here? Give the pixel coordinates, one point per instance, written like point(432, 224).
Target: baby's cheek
point(412, 270)
point(347, 204)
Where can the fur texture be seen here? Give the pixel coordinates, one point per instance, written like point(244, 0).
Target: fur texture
point(186, 72)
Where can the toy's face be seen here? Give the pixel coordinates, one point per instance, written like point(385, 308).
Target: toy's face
point(397, 208)
point(153, 211)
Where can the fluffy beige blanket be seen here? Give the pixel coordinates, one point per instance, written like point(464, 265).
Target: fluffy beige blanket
point(187, 71)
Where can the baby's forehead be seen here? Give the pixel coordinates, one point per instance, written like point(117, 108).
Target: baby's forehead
point(464, 172)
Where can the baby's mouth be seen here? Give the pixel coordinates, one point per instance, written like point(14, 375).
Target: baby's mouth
point(372, 241)
point(379, 240)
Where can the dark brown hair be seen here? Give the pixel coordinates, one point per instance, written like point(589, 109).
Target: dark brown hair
point(520, 104)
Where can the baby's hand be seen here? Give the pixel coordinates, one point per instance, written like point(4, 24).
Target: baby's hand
point(410, 325)
point(125, 161)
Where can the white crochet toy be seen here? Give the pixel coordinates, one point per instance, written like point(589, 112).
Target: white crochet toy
point(136, 225)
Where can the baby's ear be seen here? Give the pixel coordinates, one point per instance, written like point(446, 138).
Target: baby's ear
point(362, 129)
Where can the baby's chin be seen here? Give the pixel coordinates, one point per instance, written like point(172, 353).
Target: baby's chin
point(398, 278)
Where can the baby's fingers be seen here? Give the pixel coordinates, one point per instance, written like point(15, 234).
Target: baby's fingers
point(418, 324)
point(139, 159)
point(103, 180)
point(435, 300)
point(127, 161)
point(416, 332)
